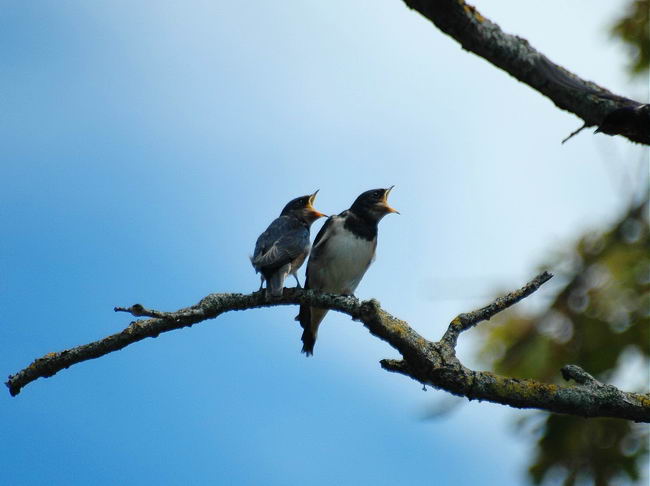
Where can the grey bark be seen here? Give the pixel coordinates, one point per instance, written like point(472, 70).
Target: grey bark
point(431, 363)
point(595, 105)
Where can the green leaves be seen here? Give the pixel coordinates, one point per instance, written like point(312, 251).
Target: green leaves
point(634, 29)
point(600, 320)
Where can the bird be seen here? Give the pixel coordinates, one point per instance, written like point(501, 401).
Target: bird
point(343, 250)
point(283, 247)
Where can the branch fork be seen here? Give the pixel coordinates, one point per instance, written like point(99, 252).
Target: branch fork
point(430, 363)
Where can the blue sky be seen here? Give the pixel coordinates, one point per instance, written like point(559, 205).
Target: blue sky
point(147, 144)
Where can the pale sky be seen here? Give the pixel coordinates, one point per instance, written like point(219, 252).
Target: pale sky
point(147, 144)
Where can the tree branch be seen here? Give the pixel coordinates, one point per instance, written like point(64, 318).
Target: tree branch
point(612, 114)
point(466, 321)
point(430, 363)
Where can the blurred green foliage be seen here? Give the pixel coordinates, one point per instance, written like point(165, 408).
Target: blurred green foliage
point(600, 320)
point(634, 29)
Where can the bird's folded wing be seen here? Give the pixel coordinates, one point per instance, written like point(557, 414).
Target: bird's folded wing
point(284, 250)
point(328, 228)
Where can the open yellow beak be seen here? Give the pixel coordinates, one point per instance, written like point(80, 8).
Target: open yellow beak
point(311, 208)
point(385, 201)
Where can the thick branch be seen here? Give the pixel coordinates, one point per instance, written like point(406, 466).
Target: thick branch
point(584, 400)
point(612, 114)
point(211, 306)
point(431, 363)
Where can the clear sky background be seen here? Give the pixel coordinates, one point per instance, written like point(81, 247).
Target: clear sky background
point(145, 145)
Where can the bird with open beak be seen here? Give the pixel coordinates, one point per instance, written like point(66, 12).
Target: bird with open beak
point(342, 252)
point(284, 246)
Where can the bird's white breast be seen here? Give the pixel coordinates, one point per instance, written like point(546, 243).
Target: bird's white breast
point(345, 259)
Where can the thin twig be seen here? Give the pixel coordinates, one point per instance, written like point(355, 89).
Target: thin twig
point(466, 321)
point(575, 132)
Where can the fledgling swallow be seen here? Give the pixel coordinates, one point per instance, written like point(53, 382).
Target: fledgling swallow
point(284, 246)
point(342, 252)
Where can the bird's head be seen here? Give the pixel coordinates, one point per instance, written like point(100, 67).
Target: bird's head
point(373, 204)
point(303, 208)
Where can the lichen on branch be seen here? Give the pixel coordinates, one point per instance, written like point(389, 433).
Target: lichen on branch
point(595, 105)
point(428, 362)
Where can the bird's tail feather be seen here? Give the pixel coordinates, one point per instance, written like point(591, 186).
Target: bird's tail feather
point(310, 318)
point(308, 342)
point(275, 283)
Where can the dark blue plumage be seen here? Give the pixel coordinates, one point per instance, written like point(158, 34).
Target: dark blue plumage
point(284, 246)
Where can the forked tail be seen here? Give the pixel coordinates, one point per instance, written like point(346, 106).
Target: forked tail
point(310, 318)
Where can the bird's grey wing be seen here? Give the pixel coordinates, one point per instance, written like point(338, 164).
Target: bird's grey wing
point(318, 245)
point(266, 240)
point(318, 250)
point(320, 236)
point(310, 317)
point(261, 245)
point(328, 228)
point(284, 249)
point(271, 234)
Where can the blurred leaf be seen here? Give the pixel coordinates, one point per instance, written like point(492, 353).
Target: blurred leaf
point(598, 321)
point(634, 29)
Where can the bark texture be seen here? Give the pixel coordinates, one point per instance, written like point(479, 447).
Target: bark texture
point(431, 363)
point(611, 113)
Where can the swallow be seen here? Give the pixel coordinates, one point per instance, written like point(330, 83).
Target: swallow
point(343, 250)
point(284, 246)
